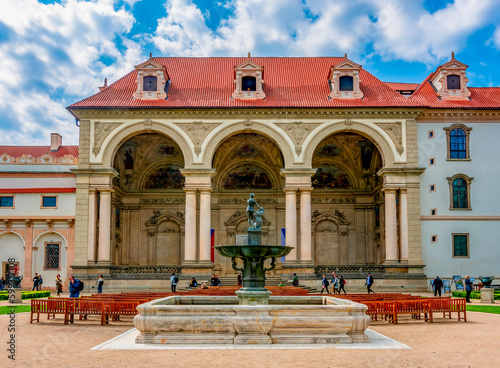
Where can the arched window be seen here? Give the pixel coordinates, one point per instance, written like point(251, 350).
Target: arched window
point(149, 83)
point(248, 84)
point(460, 193)
point(453, 81)
point(346, 83)
point(458, 144)
point(458, 138)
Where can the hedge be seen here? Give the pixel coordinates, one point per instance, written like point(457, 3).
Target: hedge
point(474, 294)
point(4, 295)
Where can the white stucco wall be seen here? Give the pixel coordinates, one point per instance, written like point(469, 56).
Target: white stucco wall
point(30, 205)
point(484, 235)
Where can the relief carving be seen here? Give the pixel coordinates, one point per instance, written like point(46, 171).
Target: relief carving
point(244, 201)
point(101, 132)
point(394, 131)
point(329, 200)
point(197, 132)
point(162, 201)
point(298, 132)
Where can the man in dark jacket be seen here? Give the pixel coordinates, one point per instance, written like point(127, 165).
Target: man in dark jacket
point(437, 284)
point(369, 283)
point(324, 285)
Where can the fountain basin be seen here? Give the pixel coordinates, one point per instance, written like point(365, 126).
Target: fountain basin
point(221, 320)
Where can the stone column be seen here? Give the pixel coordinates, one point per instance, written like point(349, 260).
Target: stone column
point(291, 223)
point(205, 213)
point(305, 225)
point(190, 238)
point(391, 229)
point(92, 232)
point(104, 255)
point(403, 224)
point(28, 250)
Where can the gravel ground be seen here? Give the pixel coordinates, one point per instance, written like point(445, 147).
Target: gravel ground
point(445, 343)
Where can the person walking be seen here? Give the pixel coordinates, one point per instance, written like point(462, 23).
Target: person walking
point(336, 286)
point(437, 284)
point(468, 288)
point(333, 281)
point(2, 283)
point(324, 285)
point(59, 285)
point(369, 283)
point(36, 279)
point(341, 283)
point(100, 282)
point(173, 282)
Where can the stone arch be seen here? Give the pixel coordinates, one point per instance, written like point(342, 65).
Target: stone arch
point(217, 136)
point(112, 143)
point(381, 140)
point(12, 246)
point(167, 230)
point(38, 259)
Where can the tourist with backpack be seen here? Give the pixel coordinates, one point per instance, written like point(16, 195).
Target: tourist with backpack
point(295, 280)
point(75, 286)
point(173, 282)
point(341, 284)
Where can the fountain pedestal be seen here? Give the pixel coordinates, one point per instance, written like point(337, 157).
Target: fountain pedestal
point(487, 295)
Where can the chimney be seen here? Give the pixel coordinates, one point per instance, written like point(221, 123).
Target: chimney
point(55, 141)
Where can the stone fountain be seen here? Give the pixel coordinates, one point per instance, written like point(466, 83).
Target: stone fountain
point(252, 316)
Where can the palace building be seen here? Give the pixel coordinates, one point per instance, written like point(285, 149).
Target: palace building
point(357, 174)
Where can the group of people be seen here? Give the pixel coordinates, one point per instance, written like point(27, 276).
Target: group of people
point(337, 282)
point(437, 285)
point(37, 282)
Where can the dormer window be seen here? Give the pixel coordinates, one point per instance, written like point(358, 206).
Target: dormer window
point(149, 83)
point(346, 83)
point(450, 80)
point(249, 79)
point(249, 84)
point(453, 81)
point(344, 80)
point(152, 78)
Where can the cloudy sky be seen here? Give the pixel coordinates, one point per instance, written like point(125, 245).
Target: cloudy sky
point(54, 53)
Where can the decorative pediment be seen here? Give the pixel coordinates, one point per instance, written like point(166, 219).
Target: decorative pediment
point(6, 159)
point(450, 80)
point(248, 80)
point(335, 216)
point(151, 81)
point(158, 218)
point(344, 80)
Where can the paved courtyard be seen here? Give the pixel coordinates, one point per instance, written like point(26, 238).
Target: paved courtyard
point(445, 343)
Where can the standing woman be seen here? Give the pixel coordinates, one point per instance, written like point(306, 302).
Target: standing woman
point(468, 288)
point(240, 281)
point(100, 282)
point(59, 285)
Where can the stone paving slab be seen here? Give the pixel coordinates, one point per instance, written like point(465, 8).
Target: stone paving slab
point(126, 341)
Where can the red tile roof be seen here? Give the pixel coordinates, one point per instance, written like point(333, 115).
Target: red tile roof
point(36, 190)
point(480, 97)
point(209, 83)
point(38, 151)
point(402, 86)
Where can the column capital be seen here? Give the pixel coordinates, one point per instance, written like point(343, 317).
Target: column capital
point(106, 190)
point(390, 190)
point(205, 190)
point(190, 190)
point(290, 190)
point(305, 189)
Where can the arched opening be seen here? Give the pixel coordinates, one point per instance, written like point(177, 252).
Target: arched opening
point(12, 247)
point(245, 163)
point(149, 186)
point(346, 199)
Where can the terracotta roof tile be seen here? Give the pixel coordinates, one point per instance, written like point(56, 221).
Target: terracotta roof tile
point(38, 151)
point(36, 190)
point(209, 83)
point(402, 86)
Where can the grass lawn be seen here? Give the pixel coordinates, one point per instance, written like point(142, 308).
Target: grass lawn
point(6, 309)
point(484, 309)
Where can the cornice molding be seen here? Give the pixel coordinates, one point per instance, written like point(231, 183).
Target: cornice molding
point(218, 113)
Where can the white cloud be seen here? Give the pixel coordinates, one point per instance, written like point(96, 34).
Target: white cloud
point(496, 37)
point(50, 58)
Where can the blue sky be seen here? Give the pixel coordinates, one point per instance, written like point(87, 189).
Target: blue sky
point(54, 53)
